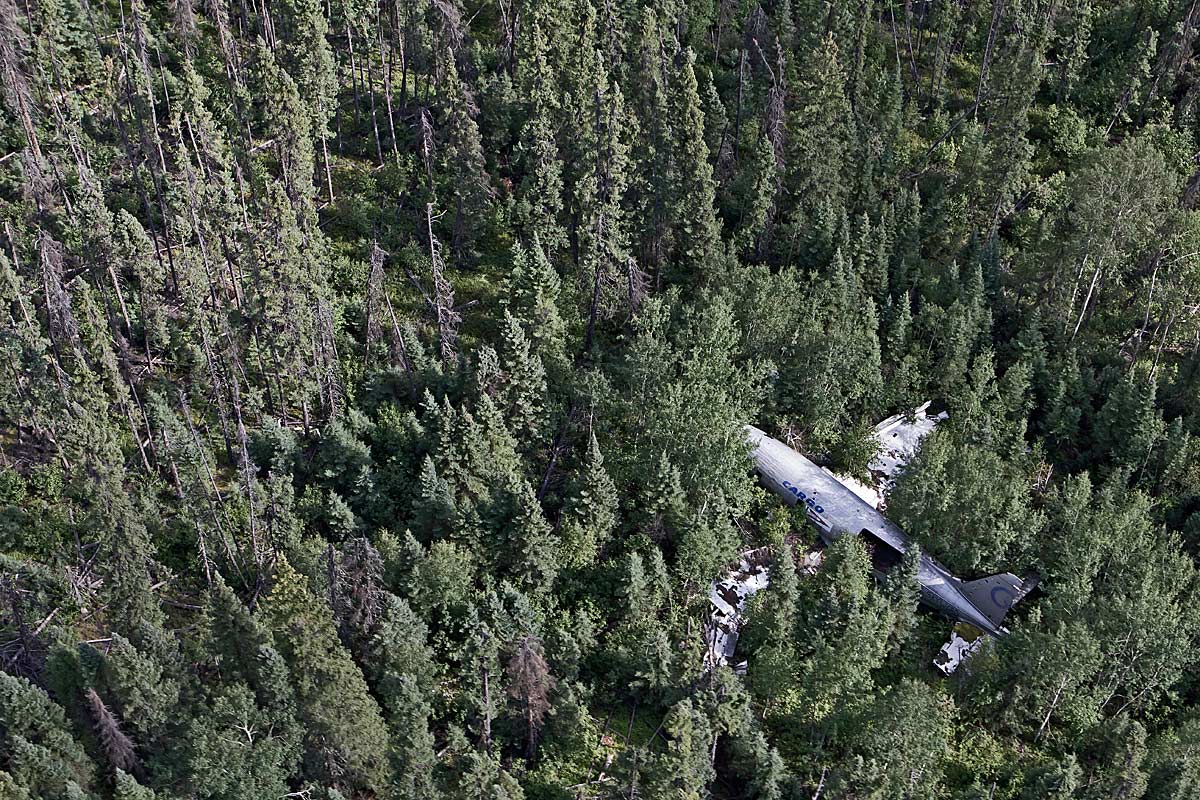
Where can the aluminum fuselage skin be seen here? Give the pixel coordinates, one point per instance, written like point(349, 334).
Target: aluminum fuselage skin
point(836, 511)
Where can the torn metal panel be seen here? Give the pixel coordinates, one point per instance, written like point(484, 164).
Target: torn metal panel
point(728, 597)
point(965, 641)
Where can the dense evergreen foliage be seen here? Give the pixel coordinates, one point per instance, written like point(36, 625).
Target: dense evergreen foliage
point(374, 375)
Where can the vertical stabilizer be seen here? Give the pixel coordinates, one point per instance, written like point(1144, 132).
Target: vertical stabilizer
point(994, 595)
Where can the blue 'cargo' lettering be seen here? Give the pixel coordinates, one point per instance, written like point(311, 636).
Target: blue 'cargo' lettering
point(799, 494)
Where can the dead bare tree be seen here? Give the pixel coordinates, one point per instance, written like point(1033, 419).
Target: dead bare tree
point(374, 292)
point(62, 325)
point(485, 685)
point(117, 747)
point(427, 146)
point(377, 301)
point(530, 683)
point(15, 84)
point(21, 652)
point(448, 319)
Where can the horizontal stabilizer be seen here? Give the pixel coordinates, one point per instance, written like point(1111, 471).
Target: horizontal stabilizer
point(994, 595)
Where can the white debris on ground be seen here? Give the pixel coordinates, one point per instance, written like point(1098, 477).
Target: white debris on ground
point(728, 597)
point(811, 562)
point(958, 649)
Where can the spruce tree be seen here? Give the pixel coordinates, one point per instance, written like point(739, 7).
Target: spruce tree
point(40, 755)
point(524, 390)
point(236, 749)
point(685, 770)
point(541, 188)
point(589, 515)
point(698, 231)
point(530, 549)
point(534, 294)
point(435, 512)
point(310, 62)
point(465, 189)
point(403, 675)
point(345, 740)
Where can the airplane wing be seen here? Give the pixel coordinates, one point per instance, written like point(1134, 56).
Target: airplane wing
point(899, 437)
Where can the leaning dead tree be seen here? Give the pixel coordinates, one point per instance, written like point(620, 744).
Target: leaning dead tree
point(439, 299)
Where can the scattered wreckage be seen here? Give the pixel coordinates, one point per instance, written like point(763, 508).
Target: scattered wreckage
point(729, 596)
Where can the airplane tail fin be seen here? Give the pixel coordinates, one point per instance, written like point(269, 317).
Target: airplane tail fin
point(995, 595)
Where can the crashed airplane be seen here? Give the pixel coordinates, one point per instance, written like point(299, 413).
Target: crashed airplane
point(836, 510)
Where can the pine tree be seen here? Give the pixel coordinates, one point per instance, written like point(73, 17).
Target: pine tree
point(445, 579)
point(133, 608)
point(482, 778)
point(832, 367)
point(1073, 36)
point(845, 625)
point(653, 657)
point(141, 687)
point(703, 549)
point(902, 371)
point(1127, 426)
point(1122, 752)
point(652, 152)
point(1057, 780)
point(661, 502)
point(758, 201)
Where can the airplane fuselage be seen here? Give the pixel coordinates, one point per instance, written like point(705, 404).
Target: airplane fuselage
point(837, 511)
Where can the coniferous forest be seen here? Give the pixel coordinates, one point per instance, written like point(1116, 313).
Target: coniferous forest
point(374, 377)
